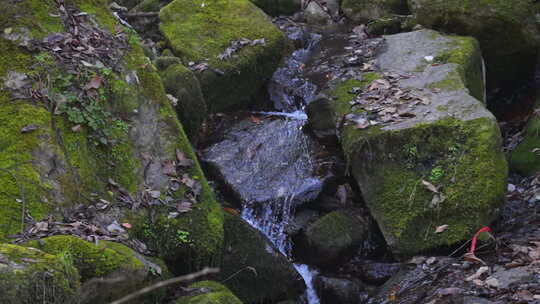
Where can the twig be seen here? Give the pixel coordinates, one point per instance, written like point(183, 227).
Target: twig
point(252, 269)
point(184, 278)
point(139, 15)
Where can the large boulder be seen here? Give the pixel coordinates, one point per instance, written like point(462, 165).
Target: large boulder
point(366, 10)
point(253, 269)
point(507, 30)
point(126, 270)
point(420, 142)
point(235, 38)
point(100, 131)
point(28, 275)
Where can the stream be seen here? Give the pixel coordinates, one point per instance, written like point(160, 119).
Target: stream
point(281, 159)
point(290, 93)
point(270, 162)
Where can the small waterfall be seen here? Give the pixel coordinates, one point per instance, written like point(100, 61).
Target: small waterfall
point(290, 92)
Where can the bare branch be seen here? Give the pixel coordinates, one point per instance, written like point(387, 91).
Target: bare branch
point(139, 15)
point(184, 278)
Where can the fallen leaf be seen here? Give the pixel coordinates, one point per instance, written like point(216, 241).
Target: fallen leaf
point(255, 120)
point(94, 83)
point(155, 194)
point(29, 128)
point(478, 273)
point(168, 168)
point(441, 229)
point(430, 186)
point(182, 159)
point(230, 211)
point(76, 128)
point(184, 207)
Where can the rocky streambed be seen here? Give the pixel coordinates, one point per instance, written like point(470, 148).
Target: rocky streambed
point(343, 152)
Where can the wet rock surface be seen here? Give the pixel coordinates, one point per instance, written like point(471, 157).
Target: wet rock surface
point(344, 291)
point(268, 161)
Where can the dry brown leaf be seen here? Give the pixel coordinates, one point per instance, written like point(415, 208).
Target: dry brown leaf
point(441, 228)
point(430, 186)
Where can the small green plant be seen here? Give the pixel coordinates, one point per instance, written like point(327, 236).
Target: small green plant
point(436, 173)
point(412, 150)
point(182, 237)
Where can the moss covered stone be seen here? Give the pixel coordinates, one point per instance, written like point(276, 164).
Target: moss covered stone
point(93, 260)
point(334, 236)
point(507, 30)
point(28, 275)
point(453, 143)
point(191, 106)
point(199, 31)
point(366, 10)
point(103, 260)
point(525, 159)
point(266, 276)
point(54, 168)
point(209, 292)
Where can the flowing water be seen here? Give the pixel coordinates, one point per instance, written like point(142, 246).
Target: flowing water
point(290, 93)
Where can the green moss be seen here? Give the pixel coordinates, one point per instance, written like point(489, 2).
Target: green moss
point(275, 278)
point(205, 223)
point(191, 109)
point(465, 52)
point(335, 233)
point(99, 9)
point(403, 206)
point(197, 32)
point(92, 261)
point(29, 276)
point(462, 157)
point(506, 30)
point(524, 159)
point(34, 15)
point(213, 293)
point(22, 188)
point(365, 10)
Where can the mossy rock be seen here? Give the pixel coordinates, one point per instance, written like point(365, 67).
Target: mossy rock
point(103, 260)
point(453, 142)
point(334, 236)
point(524, 159)
point(366, 10)
point(93, 261)
point(28, 275)
point(209, 292)
point(278, 7)
point(52, 169)
point(507, 31)
point(199, 31)
point(181, 83)
point(253, 269)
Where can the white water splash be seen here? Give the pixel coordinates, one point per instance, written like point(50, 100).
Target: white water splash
point(272, 224)
point(308, 274)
